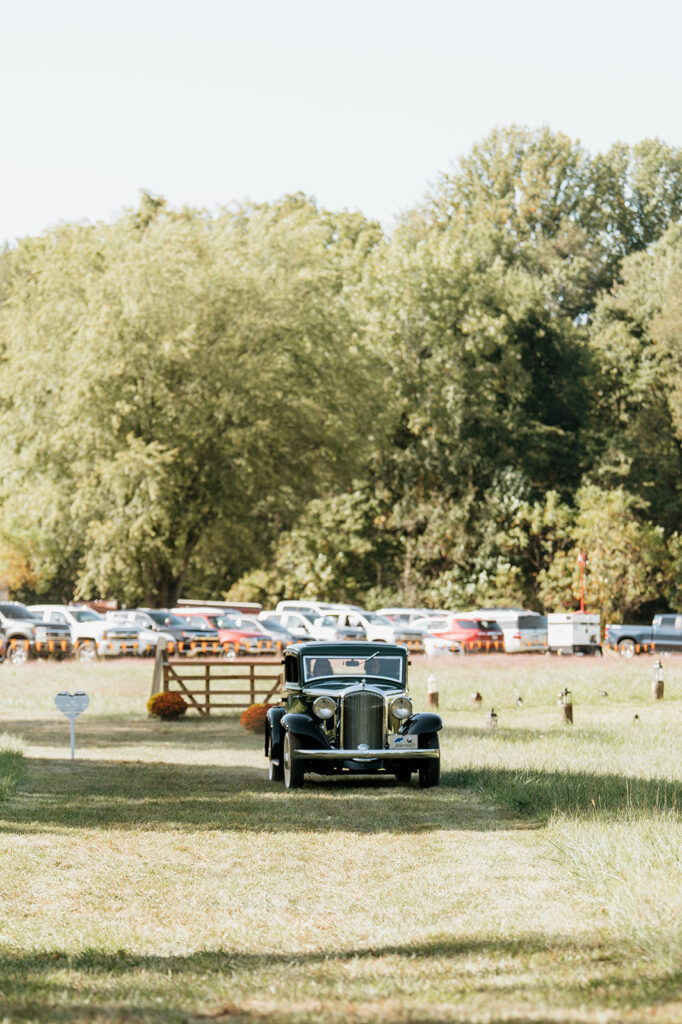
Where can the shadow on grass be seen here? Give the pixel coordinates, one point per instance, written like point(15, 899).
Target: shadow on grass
point(129, 795)
point(104, 794)
point(92, 985)
point(106, 732)
point(535, 793)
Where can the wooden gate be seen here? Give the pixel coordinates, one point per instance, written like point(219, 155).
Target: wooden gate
point(211, 684)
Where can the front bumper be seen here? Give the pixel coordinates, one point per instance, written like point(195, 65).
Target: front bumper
point(113, 648)
point(384, 754)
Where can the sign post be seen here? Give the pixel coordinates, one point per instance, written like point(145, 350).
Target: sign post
point(72, 705)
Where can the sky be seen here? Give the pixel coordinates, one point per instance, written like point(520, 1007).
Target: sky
point(359, 103)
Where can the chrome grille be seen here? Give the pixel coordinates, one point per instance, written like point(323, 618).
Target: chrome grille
point(363, 719)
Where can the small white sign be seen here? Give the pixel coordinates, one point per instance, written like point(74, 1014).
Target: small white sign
point(72, 705)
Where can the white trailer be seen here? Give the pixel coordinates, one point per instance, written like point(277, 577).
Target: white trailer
point(574, 633)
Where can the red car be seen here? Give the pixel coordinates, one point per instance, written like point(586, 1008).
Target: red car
point(234, 636)
point(471, 634)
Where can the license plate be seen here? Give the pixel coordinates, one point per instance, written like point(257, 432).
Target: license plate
point(403, 742)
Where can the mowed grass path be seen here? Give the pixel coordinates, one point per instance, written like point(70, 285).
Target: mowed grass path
point(160, 877)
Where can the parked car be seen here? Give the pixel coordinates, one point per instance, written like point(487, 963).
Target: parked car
point(185, 639)
point(279, 638)
point(91, 634)
point(313, 609)
point(664, 634)
point(379, 629)
point(27, 635)
point(306, 625)
point(471, 634)
point(236, 635)
point(403, 616)
point(280, 634)
point(524, 630)
point(346, 711)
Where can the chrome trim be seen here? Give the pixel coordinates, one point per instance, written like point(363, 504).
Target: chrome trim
point(367, 755)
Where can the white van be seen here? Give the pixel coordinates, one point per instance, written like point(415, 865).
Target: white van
point(313, 608)
point(524, 631)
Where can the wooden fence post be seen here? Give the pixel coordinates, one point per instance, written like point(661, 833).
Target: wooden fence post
point(160, 658)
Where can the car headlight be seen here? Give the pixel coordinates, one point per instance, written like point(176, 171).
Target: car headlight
point(324, 707)
point(401, 708)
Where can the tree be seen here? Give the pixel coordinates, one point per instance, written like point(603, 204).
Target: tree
point(177, 383)
point(628, 561)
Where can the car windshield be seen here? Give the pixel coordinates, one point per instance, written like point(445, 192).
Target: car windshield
point(166, 619)
point(85, 615)
point(195, 621)
point(252, 624)
point(325, 620)
point(223, 621)
point(273, 625)
point(18, 611)
point(372, 666)
point(376, 619)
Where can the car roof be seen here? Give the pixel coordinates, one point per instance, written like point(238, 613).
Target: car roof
point(350, 648)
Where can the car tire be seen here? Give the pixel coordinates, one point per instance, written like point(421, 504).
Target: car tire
point(275, 770)
point(402, 775)
point(429, 771)
point(626, 648)
point(292, 768)
point(230, 652)
point(87, 651)
point(17, 654)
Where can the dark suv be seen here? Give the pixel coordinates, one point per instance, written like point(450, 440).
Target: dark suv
point(346, 711)
point(27, 635)
point(186, 640)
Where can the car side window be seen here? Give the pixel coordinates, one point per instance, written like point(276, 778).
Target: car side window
point(57, 617)
point(291, 669)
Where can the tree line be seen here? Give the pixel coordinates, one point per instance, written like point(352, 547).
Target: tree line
point(280, 400)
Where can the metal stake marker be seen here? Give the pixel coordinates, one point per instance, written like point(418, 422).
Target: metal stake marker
point(72, 705)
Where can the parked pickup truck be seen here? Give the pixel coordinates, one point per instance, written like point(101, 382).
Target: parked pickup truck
point(664, 634)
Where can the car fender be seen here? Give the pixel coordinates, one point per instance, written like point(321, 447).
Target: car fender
point(273, 732)
point(424, 722)
point(301, 725)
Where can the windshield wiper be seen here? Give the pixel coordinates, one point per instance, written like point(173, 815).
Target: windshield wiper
point(376, 653)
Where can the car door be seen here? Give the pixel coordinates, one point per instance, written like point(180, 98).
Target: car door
point(298, 626)
point(665, 634)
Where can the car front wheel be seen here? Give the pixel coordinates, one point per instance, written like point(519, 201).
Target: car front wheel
point(292, 766)
point(626, 648)
point(87, 650)
point(17, 653)
point(429, 771)
point(275, 769)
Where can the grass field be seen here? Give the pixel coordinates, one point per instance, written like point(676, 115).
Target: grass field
point(160, 877)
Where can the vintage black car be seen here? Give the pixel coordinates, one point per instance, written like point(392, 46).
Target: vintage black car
point(346, 711)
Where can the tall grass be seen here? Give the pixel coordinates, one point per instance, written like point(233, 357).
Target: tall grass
point(630, 869)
